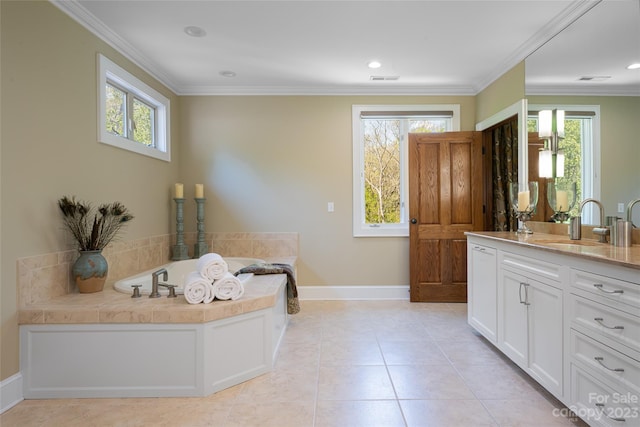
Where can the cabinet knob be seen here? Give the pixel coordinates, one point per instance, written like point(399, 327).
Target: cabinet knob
point(414, 221)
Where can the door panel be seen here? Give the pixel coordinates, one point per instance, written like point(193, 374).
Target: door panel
point(429, 183)
point(445, 200)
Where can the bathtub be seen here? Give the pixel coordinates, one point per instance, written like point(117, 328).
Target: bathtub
point(178, 271)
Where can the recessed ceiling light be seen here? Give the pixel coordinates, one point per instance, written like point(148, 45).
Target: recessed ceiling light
point(227, 73)
point(194, 31)
point(635, 66)
point(374, 64)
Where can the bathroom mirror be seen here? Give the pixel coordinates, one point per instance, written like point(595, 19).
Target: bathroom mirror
point(562, 72)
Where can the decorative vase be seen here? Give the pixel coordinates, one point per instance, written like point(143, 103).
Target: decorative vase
point(90, 271)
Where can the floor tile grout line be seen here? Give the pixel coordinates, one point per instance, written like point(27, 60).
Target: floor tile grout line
point(395, 392)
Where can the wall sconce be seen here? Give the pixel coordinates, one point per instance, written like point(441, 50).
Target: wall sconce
point(551, 128)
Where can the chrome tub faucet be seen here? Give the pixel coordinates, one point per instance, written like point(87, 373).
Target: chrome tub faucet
point(154, 282)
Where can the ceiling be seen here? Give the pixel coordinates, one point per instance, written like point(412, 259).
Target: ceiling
point(323, 47)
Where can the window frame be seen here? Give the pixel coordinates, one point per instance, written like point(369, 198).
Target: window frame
point(360, 228)
point(113, 74)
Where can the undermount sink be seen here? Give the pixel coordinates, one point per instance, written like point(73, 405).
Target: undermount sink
point(560, 242)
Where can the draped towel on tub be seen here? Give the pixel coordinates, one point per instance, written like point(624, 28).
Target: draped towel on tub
point(293, 305)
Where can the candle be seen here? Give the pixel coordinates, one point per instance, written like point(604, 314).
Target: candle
point(562, 201)
point(179, 191)
point(523, 200)
point(199, 191)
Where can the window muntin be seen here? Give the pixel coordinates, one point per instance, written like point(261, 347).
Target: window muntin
point(132, 115)
point(380, 146)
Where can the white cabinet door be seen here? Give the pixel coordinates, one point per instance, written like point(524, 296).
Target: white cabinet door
point(482, 290)
point(512, 317)
point(530, 319)
point(545, 335)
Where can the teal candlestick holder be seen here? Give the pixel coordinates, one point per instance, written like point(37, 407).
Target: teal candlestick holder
point(180, 251)
point(201, 247)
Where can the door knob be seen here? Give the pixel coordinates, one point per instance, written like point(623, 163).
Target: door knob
point(414, 221)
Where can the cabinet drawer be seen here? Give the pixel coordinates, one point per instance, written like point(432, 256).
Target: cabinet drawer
point(605, 361)
point(607, 288)
point(528, 265)
point(601, 405)
point(607, 321)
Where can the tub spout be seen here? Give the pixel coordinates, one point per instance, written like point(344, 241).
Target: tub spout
point(154, 282)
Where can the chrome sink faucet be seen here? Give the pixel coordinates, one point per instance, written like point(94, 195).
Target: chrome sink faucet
point(154, 282)
point(601, 231)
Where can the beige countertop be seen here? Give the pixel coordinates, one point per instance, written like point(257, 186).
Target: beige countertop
point(111, 306)
point(561, 244)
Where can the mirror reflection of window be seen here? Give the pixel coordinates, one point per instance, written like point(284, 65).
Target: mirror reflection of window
point(578, 148)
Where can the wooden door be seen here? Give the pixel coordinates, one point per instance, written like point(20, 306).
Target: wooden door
point(445, 200)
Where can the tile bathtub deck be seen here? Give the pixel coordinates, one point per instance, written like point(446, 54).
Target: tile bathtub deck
point(346, 363)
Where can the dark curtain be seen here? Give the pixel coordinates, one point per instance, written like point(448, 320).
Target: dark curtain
point(505, 171)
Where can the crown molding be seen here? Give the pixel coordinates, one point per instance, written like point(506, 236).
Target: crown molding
point(568, 16)
point(326, 90)
point(592, 90)
point(85, 18)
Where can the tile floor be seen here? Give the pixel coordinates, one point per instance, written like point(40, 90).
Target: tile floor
point(344, 364)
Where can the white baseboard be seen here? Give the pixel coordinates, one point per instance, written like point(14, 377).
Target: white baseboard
point(10, 392)
point(353, 292)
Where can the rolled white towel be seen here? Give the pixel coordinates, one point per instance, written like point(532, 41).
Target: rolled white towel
point(197, 289)
point(211, 266)
point(228, 287)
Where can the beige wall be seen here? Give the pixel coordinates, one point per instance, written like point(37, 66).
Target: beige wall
point(502, 93)
point(50, 149)
point(619, 147)
point(268, 163)
point(273, 163)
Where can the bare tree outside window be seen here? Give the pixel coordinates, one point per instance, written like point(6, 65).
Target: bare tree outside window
point(382, 170)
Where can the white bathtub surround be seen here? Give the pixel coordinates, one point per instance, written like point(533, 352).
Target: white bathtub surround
point(212, 266)
point(228, 287)
point(197, 289)
point(145, 347)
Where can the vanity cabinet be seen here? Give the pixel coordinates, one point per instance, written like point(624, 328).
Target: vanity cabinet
point(482, 290)
point(571, 322)
point(530, 321)
point(605, 348)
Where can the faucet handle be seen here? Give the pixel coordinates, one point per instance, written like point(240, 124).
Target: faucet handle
point(172, 289)
point(603, 232)
point(136, 291)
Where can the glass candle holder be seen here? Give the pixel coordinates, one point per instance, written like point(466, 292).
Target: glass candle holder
point(561, 198)
point(524, 202)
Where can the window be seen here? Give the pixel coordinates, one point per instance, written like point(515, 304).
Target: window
point(380, 162)
point(580, 144)
point(132, 115)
